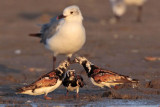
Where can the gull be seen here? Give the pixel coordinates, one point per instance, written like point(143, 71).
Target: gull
point(64, 34)
point(119, 7)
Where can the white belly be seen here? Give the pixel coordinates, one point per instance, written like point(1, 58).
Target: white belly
point(67, 40)
point(99, 85)
point(119, 9)
point(102, 84)
point(70, 88)
point(43, 90)
point(110, 84)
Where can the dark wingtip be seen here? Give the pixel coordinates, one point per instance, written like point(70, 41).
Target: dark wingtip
point(135, 80)
point(135, 83)
point(19, 90)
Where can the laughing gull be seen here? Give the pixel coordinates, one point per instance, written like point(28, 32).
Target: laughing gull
point(64, 34)
point(119, 7)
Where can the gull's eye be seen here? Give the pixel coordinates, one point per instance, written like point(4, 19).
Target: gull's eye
point(71, 12)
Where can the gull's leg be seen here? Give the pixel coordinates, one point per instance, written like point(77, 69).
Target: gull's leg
point(69, 57)
point(54, 62)
point(139, 14)
point(118, 18)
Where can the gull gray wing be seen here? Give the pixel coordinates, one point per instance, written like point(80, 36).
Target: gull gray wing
point(49, 29)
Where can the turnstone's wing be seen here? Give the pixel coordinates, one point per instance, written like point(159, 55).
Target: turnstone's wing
point(109, 77)
point(101, 71)
point(80, 81)
point(46, 80)
point(49, 29)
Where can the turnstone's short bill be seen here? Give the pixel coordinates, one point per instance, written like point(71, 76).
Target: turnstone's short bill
point(101, 77)
point(64, 34)
point(46, 83)
point(73, 82)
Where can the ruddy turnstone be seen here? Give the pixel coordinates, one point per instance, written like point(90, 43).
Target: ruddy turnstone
point(119, 7)
point(101, 77)
point(73, 82)
point(64, 34)
point(46, 83)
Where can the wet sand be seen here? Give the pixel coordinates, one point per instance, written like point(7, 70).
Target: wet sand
point(120, 47)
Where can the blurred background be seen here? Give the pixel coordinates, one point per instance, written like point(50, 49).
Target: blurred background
point(120, 47)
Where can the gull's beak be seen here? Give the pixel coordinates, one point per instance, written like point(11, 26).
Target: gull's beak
point(61, 16)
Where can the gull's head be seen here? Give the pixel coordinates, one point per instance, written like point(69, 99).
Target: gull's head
point(118, 7)
point(71, 13)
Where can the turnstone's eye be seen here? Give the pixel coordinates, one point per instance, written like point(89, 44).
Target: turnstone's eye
point(65, 65)
point(71, 12)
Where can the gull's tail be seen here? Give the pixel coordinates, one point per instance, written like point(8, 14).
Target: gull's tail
point(35, 35)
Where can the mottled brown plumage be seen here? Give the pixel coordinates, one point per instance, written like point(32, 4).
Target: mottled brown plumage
point(101, 77)
point(73, 82)
point(47, 82)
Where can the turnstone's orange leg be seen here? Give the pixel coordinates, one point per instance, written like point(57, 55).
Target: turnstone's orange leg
point(77, 95)
point(116, 87)
point(47, 98)
point(67, 94)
